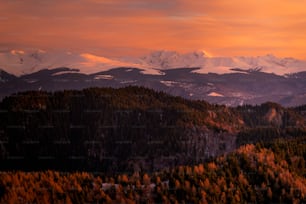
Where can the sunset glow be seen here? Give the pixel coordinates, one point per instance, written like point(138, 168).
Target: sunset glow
point(134, 27)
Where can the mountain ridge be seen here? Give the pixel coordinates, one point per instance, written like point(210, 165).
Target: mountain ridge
point(196, 75)
point(20, 62)
point(231, 89)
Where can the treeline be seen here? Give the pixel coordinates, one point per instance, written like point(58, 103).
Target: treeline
point(130, 98)
point(261, 173)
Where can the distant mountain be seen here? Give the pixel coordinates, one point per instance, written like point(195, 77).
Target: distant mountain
point(221, 65)
point(20, 62)
point(225, 80)
point(232, 89)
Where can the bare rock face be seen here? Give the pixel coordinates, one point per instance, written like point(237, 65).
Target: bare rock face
point(203, 143)
point(274, 117)
point(195, 145)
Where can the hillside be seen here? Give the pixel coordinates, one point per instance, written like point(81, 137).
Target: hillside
point(266, 173)
point(130, 129)
point(110, 130)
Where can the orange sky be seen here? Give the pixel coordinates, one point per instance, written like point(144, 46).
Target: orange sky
point(136, 27)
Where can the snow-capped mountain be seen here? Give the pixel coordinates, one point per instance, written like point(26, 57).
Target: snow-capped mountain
point(195, 75)
point(20, 62)
point(172, 59)
point(221, 65)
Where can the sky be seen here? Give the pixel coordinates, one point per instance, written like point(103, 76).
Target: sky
point(136, 27)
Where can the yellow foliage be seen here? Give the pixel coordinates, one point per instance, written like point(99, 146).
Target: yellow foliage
point(212, 166)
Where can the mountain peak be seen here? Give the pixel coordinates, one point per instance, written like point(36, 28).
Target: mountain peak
point(162, 54)
point(202, 53)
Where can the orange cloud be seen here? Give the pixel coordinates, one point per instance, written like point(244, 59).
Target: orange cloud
point(122, 27)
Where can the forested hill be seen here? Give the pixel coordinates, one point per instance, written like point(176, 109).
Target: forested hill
point(111, 102)
point(270, 173)
point(129, 129)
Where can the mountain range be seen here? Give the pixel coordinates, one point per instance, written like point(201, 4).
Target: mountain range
point(225, 80)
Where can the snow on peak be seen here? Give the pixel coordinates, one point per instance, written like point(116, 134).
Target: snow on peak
point(164, 54)
point(171, 59)
point(201, 53)
point(90, 58)
point(17, 52)
point(160, 59)
point(272, 64)
point(220, 65)
point(215, 94)
point(19, 62)
point(93, 64)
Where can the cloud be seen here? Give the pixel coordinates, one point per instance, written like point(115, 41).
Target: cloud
point(221, 27)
